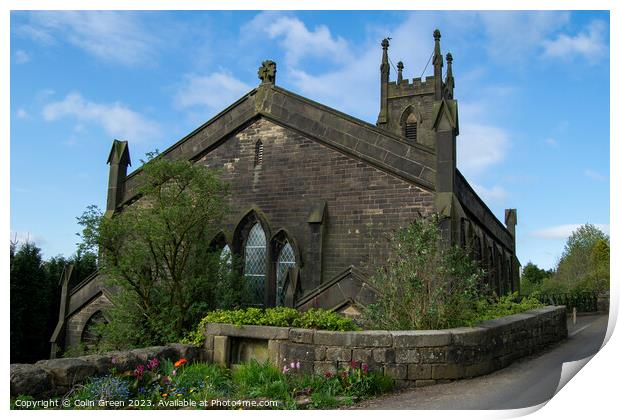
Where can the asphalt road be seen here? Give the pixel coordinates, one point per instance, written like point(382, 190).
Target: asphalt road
point(527, 382)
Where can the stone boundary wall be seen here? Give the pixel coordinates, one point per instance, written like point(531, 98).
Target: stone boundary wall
point(411, 358)
point(55, 377)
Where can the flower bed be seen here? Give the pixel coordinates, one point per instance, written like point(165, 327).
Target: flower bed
point(166, 385)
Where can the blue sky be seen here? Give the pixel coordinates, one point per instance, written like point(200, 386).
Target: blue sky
point(533, 92)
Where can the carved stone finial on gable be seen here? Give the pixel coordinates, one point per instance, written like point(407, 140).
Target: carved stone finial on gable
point(267, 72)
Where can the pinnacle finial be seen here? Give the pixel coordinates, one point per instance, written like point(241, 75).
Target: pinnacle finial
point(400, 66)
point(385, 43)
point(449, 58)
point(436, 34)
point(267, 72)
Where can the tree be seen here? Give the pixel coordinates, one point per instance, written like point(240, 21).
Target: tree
point(533, 274)
point(32, 296)
point(156, 251)
point(534, 279)
point(584, 264)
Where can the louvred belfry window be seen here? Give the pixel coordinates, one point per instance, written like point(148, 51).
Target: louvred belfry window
point(411, 128)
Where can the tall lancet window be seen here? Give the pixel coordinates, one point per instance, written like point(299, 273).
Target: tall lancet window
point(411, 128)
point(256, 263)
point(286, 260)
point(258, 153)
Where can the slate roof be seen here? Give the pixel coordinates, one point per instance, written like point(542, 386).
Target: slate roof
point(354, 137)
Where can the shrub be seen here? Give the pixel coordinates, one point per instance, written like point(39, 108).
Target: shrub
point(503, 306)
point(424, 285)
point(280, 316)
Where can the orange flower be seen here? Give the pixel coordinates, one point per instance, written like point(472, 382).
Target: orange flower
point(180, 362)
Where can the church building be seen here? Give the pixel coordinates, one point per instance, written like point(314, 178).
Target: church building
point(315, 191)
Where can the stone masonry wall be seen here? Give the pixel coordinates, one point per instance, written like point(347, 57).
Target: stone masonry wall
point(297, 173)
point(411, 358)
point(48, 378)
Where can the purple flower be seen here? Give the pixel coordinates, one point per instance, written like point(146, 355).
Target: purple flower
point(174, 372)
point(365, 367)
point(298, 365)
point(292, 365)
point(285, 369)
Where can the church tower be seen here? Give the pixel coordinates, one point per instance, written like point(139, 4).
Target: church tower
point(408, 107)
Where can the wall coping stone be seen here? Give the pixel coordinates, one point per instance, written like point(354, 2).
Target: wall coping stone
point(427, 338)
point(248, 331)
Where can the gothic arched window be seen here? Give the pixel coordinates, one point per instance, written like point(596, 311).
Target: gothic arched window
point(255, 267)
point(411, 128)
point(286, 260)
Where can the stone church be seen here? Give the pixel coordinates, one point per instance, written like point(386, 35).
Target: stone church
point(314, 191)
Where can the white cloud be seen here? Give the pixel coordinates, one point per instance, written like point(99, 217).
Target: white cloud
point(215, 91)
point(589, 43)
point(597, 176)
point(112, 36)
point(480, 146)
point(300, 42)
point(21, 114)
point(494, 194)
point(21, 57)
point(117, 120)
point(513, 36)
point(563, 231)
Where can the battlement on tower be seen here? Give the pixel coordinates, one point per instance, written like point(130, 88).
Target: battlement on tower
point(416, 86)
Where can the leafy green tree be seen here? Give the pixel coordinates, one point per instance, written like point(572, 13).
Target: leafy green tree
point(534, 279)
point(424, 285)
point(533, 274)
point(584, 264)
point(156, 252)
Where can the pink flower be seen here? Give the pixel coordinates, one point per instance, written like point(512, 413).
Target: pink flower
point(174, 372)
point(328, 374)
point(365, 367)
point(285, 369)
point(139, 370)
point(354, 364)
point(153, 363)
point(292, 365)
point(298, 365)
point(114, 360)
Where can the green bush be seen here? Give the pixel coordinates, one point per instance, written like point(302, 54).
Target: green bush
point(502, 306)
point(280, 316)
point(424, 285)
